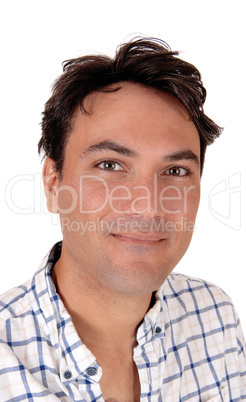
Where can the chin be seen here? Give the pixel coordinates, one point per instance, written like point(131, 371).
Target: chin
point(138, 278)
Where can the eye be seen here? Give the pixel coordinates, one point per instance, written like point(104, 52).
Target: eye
point(177, 171)
point(109, 165)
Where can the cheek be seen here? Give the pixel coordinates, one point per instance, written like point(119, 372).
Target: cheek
point(67, 199)
point(177, 200)
point(92, 195)
point(193, 199)
point(182, 225)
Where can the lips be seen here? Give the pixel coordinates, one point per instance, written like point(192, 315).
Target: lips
point(139, 238)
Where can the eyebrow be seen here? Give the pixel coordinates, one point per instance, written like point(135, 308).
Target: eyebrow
point(109, 146)
point(184, 154)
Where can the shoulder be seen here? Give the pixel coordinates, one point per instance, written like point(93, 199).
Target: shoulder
point(186, 286)
point(21, 300)
point(196, 309)
point(13, 302)
point(26, 297)
point(15, 305)
point(193, 297)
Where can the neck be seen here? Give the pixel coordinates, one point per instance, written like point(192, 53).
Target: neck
point(101, 316)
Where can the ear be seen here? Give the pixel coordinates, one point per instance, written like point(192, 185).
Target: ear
point(51, 185)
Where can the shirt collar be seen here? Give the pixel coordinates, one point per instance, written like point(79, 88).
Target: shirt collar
point(75, 357)
point(152, 325)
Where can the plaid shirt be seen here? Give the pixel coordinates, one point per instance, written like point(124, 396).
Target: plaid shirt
point(190, 345)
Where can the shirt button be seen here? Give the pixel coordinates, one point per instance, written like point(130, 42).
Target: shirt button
point(91, 371)
point(67, 375)
point(158, 330)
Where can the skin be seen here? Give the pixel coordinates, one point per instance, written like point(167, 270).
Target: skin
point(148, 160)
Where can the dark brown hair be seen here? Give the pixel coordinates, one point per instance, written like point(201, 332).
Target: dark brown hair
point(146, 61)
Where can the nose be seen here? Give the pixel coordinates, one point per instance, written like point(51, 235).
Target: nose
point(138, 197)
point(144, 198)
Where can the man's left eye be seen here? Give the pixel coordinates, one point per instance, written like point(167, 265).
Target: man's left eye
point(177, 171)
point(109, 165)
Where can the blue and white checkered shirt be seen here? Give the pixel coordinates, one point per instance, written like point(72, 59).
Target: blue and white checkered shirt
point(190, 345)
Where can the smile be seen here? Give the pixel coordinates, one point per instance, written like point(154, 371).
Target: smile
point(147, 239)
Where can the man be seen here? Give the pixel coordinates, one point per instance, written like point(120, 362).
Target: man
point(104, 318)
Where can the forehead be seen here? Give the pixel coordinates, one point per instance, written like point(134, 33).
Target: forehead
point(132, 96)
point(133, 114)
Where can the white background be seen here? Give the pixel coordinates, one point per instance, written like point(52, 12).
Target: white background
point(36, 36)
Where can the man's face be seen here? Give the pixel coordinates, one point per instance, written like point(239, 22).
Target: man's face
point(130, 188)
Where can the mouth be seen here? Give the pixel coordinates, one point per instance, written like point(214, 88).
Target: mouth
point(147, 239)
